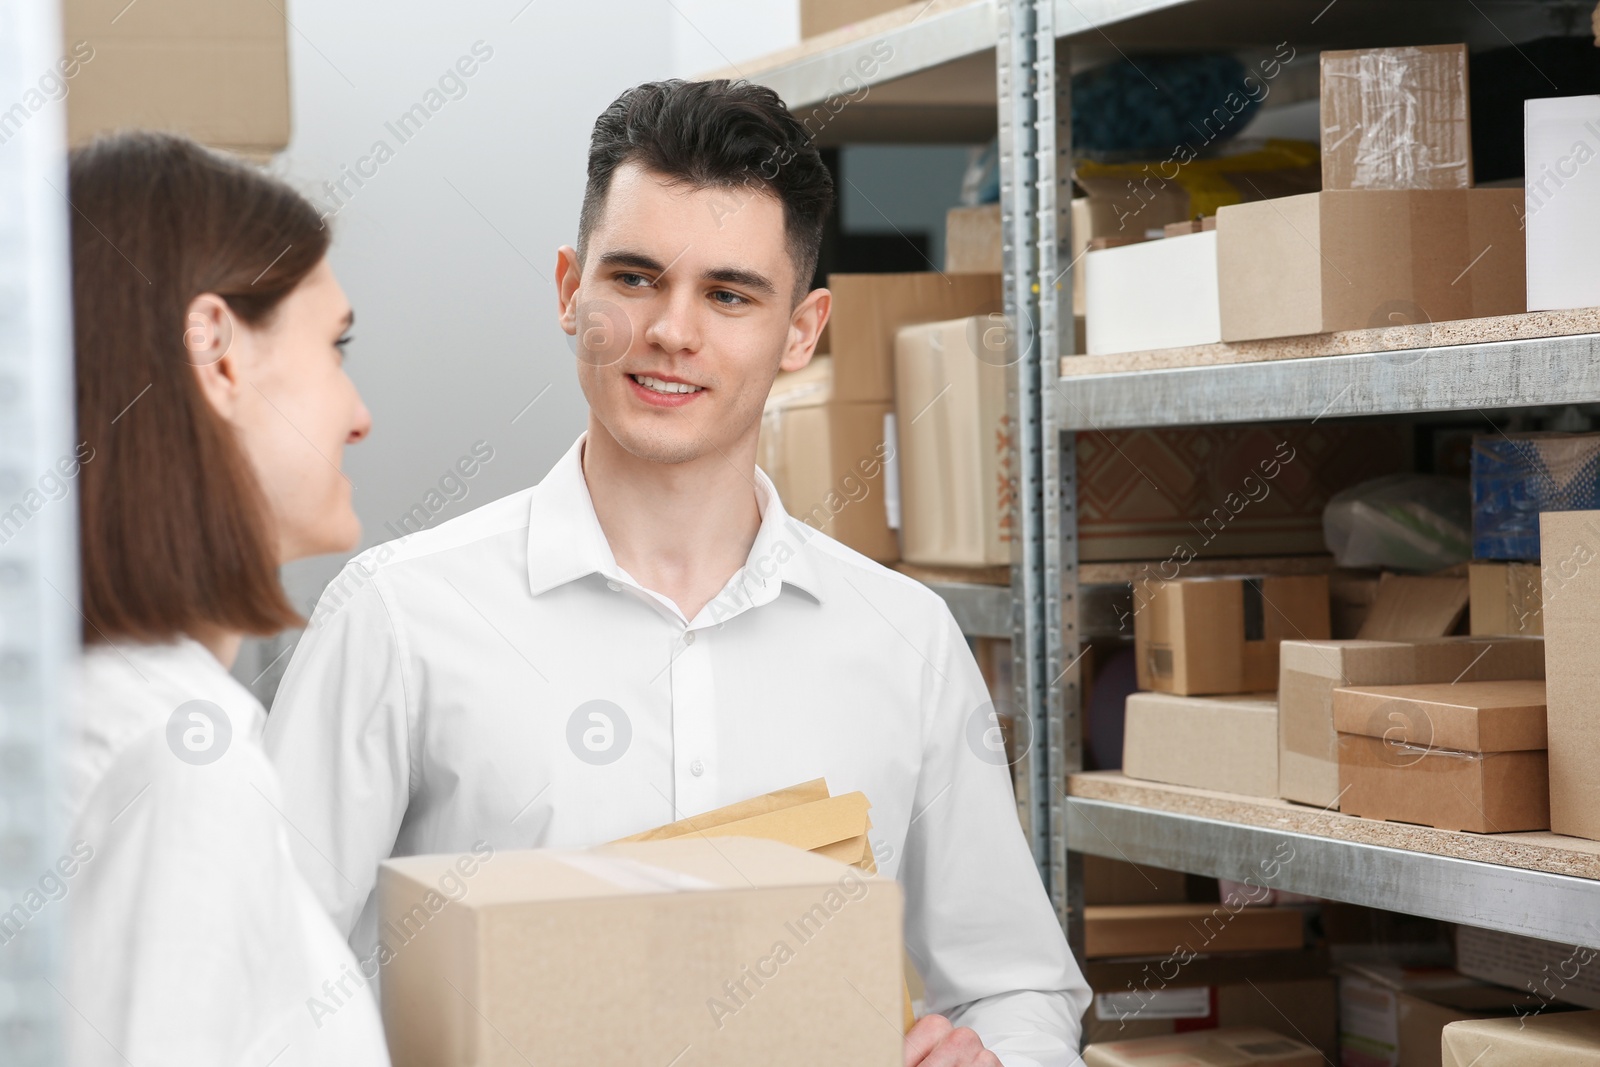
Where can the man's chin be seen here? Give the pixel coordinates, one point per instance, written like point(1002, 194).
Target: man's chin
point(662, 448)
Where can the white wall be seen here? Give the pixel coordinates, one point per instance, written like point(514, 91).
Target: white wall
point(448, 249)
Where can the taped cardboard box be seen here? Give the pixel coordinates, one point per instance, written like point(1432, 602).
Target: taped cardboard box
point(673, 935)
point(1396, 118)
point(1563, 210)
point(213, 70)
point(1306, 1008)
point(1553, 972)
point(1234, 1047)
point(1366, 258)
point(1571, 589)
point(829, 460)
point(1152, 295)
point(1458, 756)
point(957, 447)
point(1505, 599)
point(1308, 744)
point(1229, 744)
point(1196, 636)
point(1562, 1039)
point(869, 309)
point(1157, 929)
point(1518, 477)
point(1204, 492)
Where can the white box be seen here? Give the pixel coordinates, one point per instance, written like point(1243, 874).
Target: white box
point(1154, 294)
point(1561, 145)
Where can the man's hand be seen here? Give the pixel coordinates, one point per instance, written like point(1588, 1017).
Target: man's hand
point(933, 1042)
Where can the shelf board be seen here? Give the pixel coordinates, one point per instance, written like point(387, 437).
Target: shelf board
point(1126, 571)
point(1482, 376)
point(1534, 884)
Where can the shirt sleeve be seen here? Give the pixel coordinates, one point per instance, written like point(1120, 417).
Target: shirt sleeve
point(339, 735)
point(979, 925)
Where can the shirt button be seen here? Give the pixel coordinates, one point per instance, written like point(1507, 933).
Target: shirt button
point(688, 639)
point(614, 587)
point(697, 768)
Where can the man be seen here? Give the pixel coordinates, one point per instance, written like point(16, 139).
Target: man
point(646, 635)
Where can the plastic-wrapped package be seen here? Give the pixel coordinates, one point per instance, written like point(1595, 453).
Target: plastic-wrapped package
point(1407, 522)
point(1516, 476)
point(1396, 118)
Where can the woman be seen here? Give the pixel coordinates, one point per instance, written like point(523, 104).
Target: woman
point(209, 338)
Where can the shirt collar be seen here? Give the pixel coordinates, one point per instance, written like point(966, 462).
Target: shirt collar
point(565, 541)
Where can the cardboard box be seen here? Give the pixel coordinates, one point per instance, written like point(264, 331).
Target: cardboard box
point(1505, 599)
point(1351, 593)
point(1308, 752)
point(1363, 258)
point(1157, 929)
point(972, 240)
point(1571, 584)
point(1108, 881)
point(213, 70)
point(829, 460)
point(1517, 477)
point(1411, 607)
point(957, 446)
point(1204, 492)
point(1242, 1047)
point(823, 16)
point(1396, 118)
point(1153, 294)
point(1199, 636)
point(1561, 139)
point(1552, 972)
point(680, 941)
point(1562, 1039)
point(1394, 1017)
point(1459, 756)
point(1229, 744)
point(1306, 1008)
point(869, 309)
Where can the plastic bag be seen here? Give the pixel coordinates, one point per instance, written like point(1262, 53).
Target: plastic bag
point(1412, 522)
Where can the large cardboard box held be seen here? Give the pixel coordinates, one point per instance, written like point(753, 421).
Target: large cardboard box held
point(1561, 1039)
point(1561, 140)
point(869, 309)
point(1365, 258)
point(1234, 1047)
point(749, 951)
point(830, 460)
point(1229, 744)
point(1308, 744)
point(1197, 636)
point(1571, 584)
point(1458, 756)
point(1505, 599)
point(957, 448)
point(213, 70)
point(1152, 294)
point(1396, 118)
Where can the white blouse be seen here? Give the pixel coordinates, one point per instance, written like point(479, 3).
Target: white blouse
point(192, 936)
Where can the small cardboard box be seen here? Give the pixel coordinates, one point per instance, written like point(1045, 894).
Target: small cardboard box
point(869, 309)
point(1157, 929)
point(1518, 477)
point(1410, 607)
point(1461, 756)
point(1396, 118)
point(1308, 744)
point(1561, 137)
point(1561, 1039)
point(957, 447)
point(1505, 599)
point(1152, 294)
point(823, 16)
point(1108, 881)
point(1571, 585)
point(1229, 744)
point(1366, 258)
point(1198, 636)
point(748, 950)
point(829, 459)
point(1305, 1007)
point(1553, 972)
point(1233, 1047)
point(972, 241)
point(213, 70)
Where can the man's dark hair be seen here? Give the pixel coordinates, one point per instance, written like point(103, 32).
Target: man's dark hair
point(715, 134)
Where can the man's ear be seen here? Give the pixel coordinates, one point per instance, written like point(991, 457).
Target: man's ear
point(805, 329)
point(210, 340)
point(569, 273)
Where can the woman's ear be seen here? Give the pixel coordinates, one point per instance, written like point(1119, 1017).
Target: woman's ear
point(209, 340)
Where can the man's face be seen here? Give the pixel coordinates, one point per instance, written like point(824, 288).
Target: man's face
point(683, 314)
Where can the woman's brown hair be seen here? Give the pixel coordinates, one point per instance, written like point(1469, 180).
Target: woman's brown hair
point(175, 535)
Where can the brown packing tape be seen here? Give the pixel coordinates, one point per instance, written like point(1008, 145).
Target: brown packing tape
point(804, 793)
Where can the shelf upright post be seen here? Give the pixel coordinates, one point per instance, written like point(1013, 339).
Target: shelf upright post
point(38, 555)
point(1016, 76)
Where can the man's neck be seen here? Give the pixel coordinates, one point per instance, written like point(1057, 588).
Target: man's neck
point(680, 529)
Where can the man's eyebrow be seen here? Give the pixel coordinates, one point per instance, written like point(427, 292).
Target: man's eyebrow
point(749, 279)
point(625, 258)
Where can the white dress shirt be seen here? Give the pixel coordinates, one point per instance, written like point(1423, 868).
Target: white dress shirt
point(501, 677)
point(193, 940)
